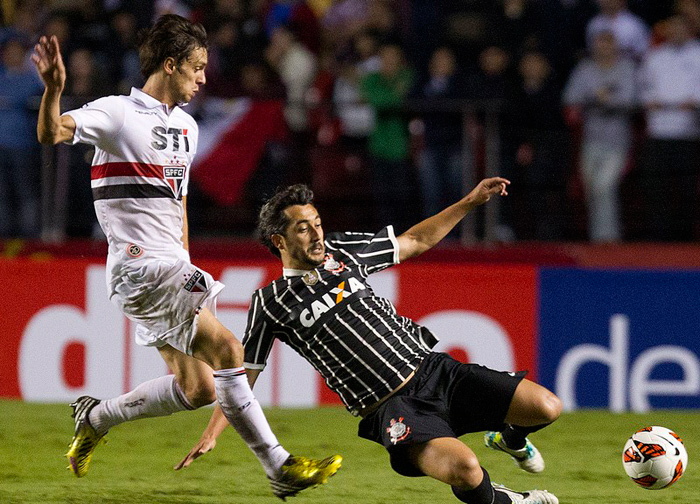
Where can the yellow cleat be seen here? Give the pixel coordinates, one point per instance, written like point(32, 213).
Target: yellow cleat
point(85, 439)
point(299, 473)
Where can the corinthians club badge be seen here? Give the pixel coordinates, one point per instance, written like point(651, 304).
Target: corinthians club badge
point(333, 266)
point(310, 277)
point(398, 430)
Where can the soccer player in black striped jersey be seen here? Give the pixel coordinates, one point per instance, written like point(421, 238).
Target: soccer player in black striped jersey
point(413, 401)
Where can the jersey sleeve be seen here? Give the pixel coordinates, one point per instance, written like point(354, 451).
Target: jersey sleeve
point(258, 337)
point(97, 121)
point(374, 252)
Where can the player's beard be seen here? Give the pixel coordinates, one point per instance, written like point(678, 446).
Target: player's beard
point(306, 258)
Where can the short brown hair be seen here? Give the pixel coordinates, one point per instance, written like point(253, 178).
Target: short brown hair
point(273, 220)
point(172, 36)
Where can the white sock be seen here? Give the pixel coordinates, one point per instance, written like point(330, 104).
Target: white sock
point(154, 398)
point(244, 413)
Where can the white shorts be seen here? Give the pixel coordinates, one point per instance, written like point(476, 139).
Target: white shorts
point(164, 298)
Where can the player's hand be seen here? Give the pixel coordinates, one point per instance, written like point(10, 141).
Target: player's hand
point(487, 188)
point(49, 63)
point(203, 446)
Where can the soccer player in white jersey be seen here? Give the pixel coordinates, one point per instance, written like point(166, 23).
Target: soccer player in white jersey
point(144, 145)
point(413, 401)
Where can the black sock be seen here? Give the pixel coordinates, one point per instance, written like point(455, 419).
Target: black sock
point(514, 435)
point(482, 494)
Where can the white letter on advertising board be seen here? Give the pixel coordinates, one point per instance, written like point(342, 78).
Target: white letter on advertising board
point(615, 358)
point(100, 327)
point(642, 386)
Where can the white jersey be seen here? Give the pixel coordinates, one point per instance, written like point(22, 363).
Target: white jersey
point(139, 174)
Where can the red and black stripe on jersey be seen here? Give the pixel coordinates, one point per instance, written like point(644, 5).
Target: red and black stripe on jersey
point(136, 180)
point(332, 317)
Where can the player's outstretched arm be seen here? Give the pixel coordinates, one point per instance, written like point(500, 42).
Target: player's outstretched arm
point(207, 442)
point(426, 234)
point(217, 425)
point(51, 127)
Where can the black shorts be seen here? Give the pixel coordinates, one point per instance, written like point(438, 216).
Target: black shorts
point(445, 398)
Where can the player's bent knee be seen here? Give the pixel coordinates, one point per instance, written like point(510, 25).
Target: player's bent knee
point(236, 347)
point(465, 472)
point(230, 352)
point(550, 407)
point(221, 350)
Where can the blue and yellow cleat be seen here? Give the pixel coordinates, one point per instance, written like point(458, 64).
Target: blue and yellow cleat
point(85, 439)
point(300, 473)
point(527, 458)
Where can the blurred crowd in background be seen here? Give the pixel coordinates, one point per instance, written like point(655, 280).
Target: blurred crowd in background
point(389, 109)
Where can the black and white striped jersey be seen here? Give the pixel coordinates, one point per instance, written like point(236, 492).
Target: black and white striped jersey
point(331, 316)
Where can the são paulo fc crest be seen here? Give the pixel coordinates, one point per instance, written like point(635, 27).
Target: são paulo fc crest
point(398, 430)
point(174, 176)
point(196, 282)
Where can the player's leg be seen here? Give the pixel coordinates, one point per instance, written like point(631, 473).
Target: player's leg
point(219, 348)
point(194, 378)
point(486, 399)
point(450, 461)
point(532, 408)
point(190, 387)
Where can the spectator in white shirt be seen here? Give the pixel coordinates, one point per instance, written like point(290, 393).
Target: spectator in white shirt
point(670, 93)
point(600, 94)
point(631, 33)
point(356, 117)
point(296, 66)
point(670, 79)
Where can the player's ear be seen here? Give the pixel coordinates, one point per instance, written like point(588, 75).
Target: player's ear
point(169, 65)
point(278, 241)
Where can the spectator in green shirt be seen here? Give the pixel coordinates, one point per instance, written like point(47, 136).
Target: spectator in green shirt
point(393, 182)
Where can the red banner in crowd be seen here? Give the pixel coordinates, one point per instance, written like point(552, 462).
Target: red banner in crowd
point(232, 139)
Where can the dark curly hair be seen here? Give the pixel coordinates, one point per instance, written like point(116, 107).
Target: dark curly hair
point(172, 36)
point(273, 220)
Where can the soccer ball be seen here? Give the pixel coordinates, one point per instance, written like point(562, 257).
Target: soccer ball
point(654, 457)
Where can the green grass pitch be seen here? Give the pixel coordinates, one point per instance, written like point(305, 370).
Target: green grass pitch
point(582, 451)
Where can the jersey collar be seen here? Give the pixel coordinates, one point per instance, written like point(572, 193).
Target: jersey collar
point(146, 99)
point(290, 272)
